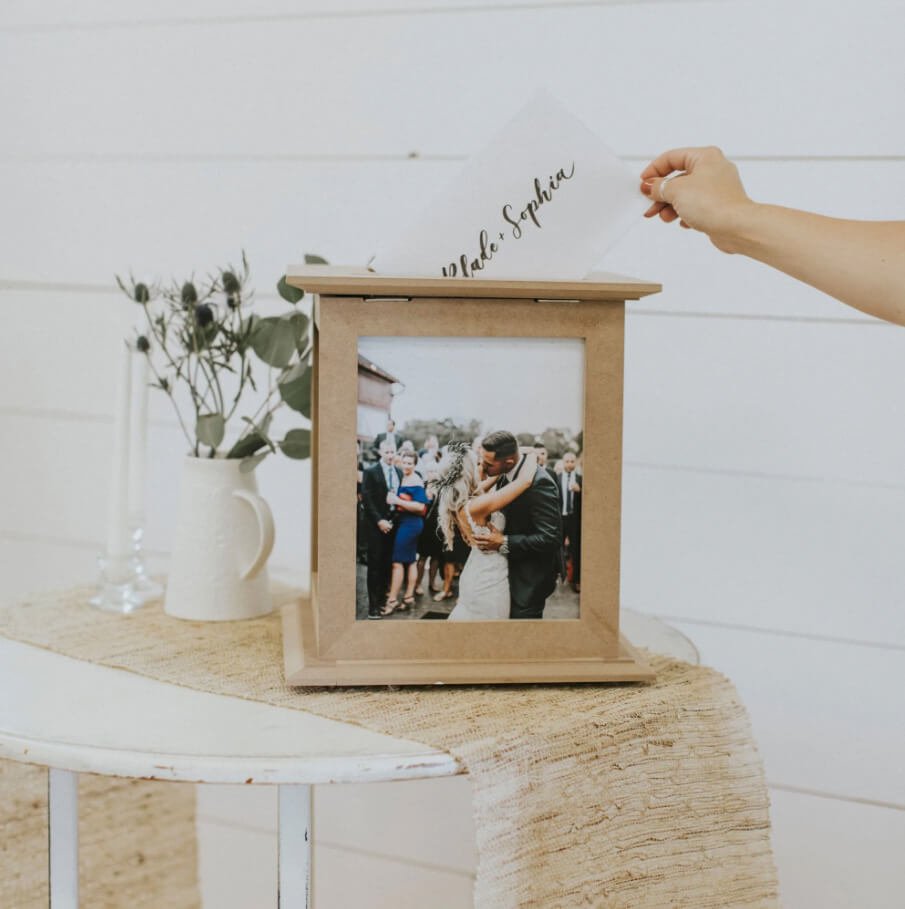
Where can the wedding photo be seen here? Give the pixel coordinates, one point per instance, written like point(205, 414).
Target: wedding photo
point(469, 478)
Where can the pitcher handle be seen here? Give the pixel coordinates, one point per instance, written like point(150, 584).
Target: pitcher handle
point(265, 526)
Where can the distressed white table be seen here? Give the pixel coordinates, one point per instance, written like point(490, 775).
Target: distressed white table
point(77, 717)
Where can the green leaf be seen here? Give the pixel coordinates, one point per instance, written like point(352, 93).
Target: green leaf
point(299, 322)
point(295, 388)
point(297, 444)
point(210, 429)
point(249, 464)
point(311, 259)
point(274, 340)
point(288, 292)
point(247, 446)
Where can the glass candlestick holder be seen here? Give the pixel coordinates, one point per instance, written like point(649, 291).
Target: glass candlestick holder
point(116, 590)
point(144, 585)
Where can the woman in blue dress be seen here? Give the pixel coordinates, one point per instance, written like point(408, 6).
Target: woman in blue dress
point(410, 501)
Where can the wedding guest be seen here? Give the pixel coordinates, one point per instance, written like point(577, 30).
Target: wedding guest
point(861, 263)
point(429, 544)
point(451, 562)
point(429, 455)
point(569, 485)
point(410, 501)
point(361, 535)
point(378, 482)
point(389, 436)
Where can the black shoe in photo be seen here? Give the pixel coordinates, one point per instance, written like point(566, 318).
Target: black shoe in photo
point(374, 612)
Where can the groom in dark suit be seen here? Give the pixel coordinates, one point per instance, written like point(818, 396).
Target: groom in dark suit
point(533, 529)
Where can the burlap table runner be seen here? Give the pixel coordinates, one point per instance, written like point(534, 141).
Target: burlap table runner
point(136, 842)
point(583, 795)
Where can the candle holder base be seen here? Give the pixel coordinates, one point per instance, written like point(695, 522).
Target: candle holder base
point(146, 588)
point(117, 590)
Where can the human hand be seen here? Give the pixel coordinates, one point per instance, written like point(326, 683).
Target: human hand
point(575, 487)
point(491, 542)
point(706, 194)
point(384, 526)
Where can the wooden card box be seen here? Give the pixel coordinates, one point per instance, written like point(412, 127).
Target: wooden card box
point(324, 643)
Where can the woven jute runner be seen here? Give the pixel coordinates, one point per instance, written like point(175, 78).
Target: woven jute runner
point(136, 842)
point(622, 796)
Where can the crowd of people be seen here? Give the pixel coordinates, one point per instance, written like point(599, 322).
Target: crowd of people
point(400, 537)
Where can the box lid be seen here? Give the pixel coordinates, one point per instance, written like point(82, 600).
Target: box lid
point(346, 281)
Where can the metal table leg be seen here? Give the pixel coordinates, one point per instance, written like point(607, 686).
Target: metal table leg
point(295, 823)
point(63, 827)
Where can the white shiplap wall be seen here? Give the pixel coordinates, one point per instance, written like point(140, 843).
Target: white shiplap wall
point(764, 484)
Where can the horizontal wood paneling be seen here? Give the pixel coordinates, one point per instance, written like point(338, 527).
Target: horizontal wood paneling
point(63, 350)
point(826, 716)
point(390, 819)
point(238, 869)
point(796, 556)
point(417, 83)
point(818, 400)
point(837, 855)
point(84, 223)
point(63, 471)
point(811, 400)
point(20, 14)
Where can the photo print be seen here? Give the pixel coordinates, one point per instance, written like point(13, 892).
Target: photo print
point(469, 478)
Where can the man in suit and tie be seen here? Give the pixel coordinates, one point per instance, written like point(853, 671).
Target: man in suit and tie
point(533, 534)
point(569, 484)
point(389, 436)
point(378, 480)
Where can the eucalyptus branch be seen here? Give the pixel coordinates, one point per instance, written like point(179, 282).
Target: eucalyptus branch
point(203, 330)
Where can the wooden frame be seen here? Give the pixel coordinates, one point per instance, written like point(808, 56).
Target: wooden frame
point(324, 643)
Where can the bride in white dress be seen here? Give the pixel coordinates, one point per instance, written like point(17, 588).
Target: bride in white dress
point(469, 503)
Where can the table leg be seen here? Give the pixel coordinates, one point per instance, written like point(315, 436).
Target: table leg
point(63, 828)
point(296, 830)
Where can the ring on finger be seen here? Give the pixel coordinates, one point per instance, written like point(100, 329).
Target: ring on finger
point(663, 183)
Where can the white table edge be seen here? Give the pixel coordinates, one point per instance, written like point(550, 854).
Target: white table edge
point(248, 769)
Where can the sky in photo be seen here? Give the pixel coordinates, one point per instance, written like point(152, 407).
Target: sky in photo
point(519, 384)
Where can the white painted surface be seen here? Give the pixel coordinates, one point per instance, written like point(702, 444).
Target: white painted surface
point(294, 847)
point(63, 838)
point(60, 712)
point(762, 486)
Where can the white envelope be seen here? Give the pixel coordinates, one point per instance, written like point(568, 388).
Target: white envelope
point(544, 200)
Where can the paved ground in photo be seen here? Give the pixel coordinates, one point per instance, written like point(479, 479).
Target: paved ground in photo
point(563, 604)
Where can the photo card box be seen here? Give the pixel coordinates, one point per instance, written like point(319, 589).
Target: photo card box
point(545, 200)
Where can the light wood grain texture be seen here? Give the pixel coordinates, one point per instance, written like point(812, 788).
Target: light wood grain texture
point(329, 645)
point(344, 281)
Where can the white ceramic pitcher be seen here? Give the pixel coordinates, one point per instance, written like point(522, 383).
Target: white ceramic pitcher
point(223, 539)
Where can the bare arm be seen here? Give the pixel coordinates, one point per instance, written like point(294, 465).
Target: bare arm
point(496, 499)
point(861, 263)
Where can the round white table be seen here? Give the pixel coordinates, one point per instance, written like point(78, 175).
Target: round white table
point(77, 717)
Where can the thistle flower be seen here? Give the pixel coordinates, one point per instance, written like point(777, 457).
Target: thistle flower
point(142, 344)
point(189, 294)
point(141, 293)
point(231, 284)
point(204, 315)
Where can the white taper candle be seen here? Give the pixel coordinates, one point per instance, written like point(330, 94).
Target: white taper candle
point(118, 543)
point(138, 452)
